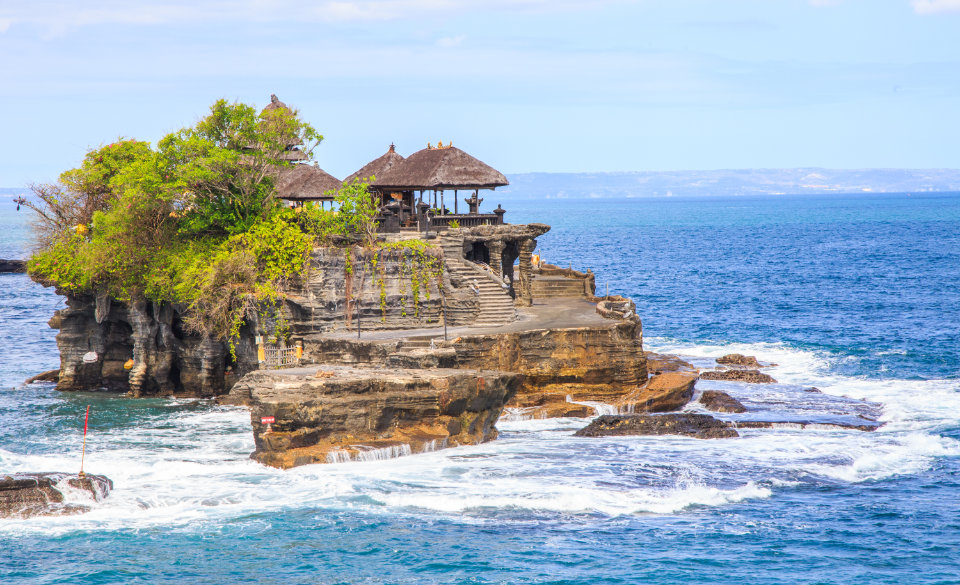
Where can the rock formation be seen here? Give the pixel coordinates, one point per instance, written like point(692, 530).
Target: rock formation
point(748, 376)
point(721, 402)
point(12, 266)
point(339, 413)
point(738, 359)
point(700, 426)
point(662, 393)
point(35, 494)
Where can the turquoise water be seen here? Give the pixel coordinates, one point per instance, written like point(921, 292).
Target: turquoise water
point(857, 295)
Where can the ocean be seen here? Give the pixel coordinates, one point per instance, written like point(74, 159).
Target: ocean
point(857, 295)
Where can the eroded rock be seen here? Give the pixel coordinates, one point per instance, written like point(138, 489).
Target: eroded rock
point(662, 393)
point(721, 402)
point(354, 413)
point(700, 426)
point(41, 494)
point(748, 376)
point(738, 359)
point(48, 376)
point(661, 363)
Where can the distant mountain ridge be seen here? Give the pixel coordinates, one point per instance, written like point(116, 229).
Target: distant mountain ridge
point(737, 182)
point(716, 183)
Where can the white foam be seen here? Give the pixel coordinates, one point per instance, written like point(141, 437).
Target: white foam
point(190, 467)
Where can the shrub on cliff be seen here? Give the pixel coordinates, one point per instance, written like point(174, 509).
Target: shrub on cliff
point(193, 222)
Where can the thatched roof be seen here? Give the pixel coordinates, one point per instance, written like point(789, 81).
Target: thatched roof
point(305, 182)
point(441, 168)
point(376, 167)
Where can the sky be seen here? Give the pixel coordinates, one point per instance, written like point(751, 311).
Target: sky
point(525, 85)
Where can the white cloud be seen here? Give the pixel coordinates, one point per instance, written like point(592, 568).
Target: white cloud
point(5, 24)
point(935, 6)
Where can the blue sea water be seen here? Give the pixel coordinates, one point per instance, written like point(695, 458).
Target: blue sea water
point(858, 295)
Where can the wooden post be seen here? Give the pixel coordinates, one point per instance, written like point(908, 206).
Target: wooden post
point(456, 198)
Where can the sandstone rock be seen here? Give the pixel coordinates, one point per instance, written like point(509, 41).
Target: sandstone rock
point(369, 413)
point(738, 359)
point(49, 376)
point(658, 363)
point(540, 406)
point(721, 402)
point(35, 494)
point(700, 426)
point(596, 364)
point(662, 393)
point(748, 376)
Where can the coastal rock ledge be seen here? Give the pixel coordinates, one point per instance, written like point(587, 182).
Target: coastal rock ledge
point(42, 494)
point(340, 413)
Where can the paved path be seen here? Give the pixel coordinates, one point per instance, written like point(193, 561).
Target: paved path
point(552, 314)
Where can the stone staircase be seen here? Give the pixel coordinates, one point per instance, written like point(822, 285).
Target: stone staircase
point(496, 304)
point(552, 287)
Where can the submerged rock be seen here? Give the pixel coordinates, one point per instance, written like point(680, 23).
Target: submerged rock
point(748, 376)
point(721, 402)
point(41, 494)
point(700, 426)
point(866, 426)
point(662, 393)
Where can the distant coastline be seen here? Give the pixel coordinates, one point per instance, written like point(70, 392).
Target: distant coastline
point(712, 183)
point(729, 183)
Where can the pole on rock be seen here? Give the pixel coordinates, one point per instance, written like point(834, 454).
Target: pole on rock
point(83, 450)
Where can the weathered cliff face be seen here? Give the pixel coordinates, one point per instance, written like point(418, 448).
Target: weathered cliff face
point(593, 364)
point(339, 413)
point(397, 291)
point(98, 336)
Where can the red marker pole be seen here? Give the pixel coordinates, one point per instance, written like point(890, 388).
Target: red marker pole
point(83, 450)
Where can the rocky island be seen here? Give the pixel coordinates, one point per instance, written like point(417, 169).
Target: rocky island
point(356, 320)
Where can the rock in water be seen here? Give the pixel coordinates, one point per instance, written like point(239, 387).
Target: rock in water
point(721, 402)
point(748, 376)
point(738, 359)
point(662, 393)
point(341, 413)
point(49, 376)
point(700, 426)
point(12, 265)
point(42, 494)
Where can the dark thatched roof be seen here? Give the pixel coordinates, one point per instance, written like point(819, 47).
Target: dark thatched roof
point(376, 167)
point(306, 183)
point(441, 168)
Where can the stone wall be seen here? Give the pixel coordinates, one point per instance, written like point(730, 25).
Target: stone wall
point(334, 295)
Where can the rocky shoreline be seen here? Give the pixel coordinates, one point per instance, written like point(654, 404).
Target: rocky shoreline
point(488, 343)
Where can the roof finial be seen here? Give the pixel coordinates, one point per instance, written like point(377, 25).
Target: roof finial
point(439, 143)
point(273, 98)
point(393, 148)
point(429, 146)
